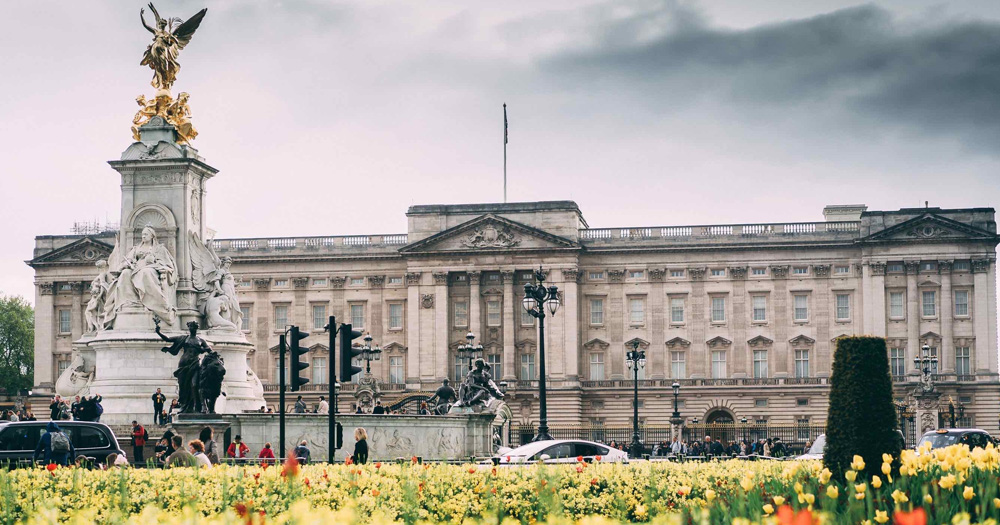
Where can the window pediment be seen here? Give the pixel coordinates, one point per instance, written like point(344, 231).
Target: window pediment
point(718, 342)
point(678, 342)
point(641, 342)
point(760, 341)
point(596, 344)
point(802, 340)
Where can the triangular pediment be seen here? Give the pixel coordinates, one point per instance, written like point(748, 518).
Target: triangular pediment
point(930, 336)
point(678, 342)
point(490, 233)
point(802, 340)
point(319, 348)
point(87, 250)
point(929, 228)
point(596, 344)
point(394, 347)
point(642, 343)
point(841, 336)
point(718, 341)
point(760, 341)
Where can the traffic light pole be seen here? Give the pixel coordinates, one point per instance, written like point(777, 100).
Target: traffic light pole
point(332, 329)
point(281, 397)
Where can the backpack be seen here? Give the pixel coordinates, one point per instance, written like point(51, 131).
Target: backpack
point(145, 434)
point(59, 443)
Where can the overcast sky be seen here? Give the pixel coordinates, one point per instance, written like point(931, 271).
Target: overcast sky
point(333, 118)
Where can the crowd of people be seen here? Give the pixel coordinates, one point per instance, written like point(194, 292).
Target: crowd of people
point(81, 408)
point(13, 416)
point(769, 447)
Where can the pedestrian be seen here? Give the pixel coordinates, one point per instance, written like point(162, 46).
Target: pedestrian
point(180, 457)
point(74, 409)
point(198, 451)
point(29, 415)
point(324, 407)
point(164, 418)
point(237, 449)
point(424, 411)
point(139, 437)
point(360, 455)
point(55, 446)
point(302, 453)
point(98, 408)
point(266, 455)
point(159, 451)
point(12, 416)
point(211, 447)
point(55, 407)
point(300, 406)
point(379, 409)
point(358, 409)
point(158, 400)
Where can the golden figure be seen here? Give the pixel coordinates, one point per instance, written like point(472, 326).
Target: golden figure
point(169, 37)
point(179, 114)
point(176, 112)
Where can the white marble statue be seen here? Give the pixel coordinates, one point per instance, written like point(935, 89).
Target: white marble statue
point(75, 380)
point(146, 276)
point(218, 299)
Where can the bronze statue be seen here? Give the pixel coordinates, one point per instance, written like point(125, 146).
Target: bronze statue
point(210, 376)
point(187, 373)
point(478, 387)
point(445, 396)
point(169, 37)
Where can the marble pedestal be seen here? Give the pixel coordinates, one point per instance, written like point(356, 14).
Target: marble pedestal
point(189, 426)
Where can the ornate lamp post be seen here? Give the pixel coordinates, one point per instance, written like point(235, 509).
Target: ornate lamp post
point(635, 359)
point(536, 297)
point(743, 421)
point(675, 418)
point(470, 351)
point(924, 362)
point(370, 353)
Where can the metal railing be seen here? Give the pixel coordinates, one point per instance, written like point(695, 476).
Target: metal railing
point(718, 230)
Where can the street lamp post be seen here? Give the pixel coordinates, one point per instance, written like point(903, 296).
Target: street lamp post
point(675, 418)
point(743, 421)
point(636, 358)
point(469, 350)
point(536, 297)
point(370, 353)
point(924, 362)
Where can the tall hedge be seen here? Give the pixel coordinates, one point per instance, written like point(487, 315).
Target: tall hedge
point(862, 418)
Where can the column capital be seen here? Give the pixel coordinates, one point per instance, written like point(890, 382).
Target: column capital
point(912, 267)
point(76, 287)
point(412, 278)
point(738, 272)
point(944, 267)
point(262, 283)
point(376, 281)
point(821, 270)
point(571, 275)
point(507, 276)
point(616, 276)
point(300, 283)
point(980, 265)
point(441, 278)
point(46, 288)
point(779, 271)
point(877, 268)
point(697, 274)
point(338, 282)
point(474, 276)
point(657, 274)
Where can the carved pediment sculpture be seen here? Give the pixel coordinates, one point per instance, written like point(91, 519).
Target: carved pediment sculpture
point(718, 342)
point(678, 342)
point(634, 341)
point(596, 344)
point(801, 340)
point(489, 236)
point(760, 341)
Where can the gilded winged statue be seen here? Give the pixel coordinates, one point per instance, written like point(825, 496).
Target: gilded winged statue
point(169, 36)
point(210, 275)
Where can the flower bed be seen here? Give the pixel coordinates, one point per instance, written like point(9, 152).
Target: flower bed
point(946, 483)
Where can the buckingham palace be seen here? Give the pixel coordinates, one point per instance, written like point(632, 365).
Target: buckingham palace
point(744, 317)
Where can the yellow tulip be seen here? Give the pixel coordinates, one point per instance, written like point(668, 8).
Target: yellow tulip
point(779, 501)
point(876, 482)
point(746, 483)
point(684, 491)
point(858, 463)
point(881, 516)
point(825, 475)
point(833, 492)
point(866, 522)
point(886, 458)
point(860, 487)
point(996, 502)
point(851, 475)
point(768, 509)
point(928, 499)
point(810, 498)
point(709, 495)
point(798, 487)
point(899, 496)
point(968, 493)
point(947, 482)
point(886, 468)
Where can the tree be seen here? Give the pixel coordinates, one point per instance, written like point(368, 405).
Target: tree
point(17, 344)
point(862, 419)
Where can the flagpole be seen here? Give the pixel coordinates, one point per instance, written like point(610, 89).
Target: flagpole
point(505, 153)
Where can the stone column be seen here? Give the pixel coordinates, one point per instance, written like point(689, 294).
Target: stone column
point(475, 300)
point(262, 331)
point(912, 315)
point(823, 299)
point(338, 309)
point(441, 325)
point(698, 356)
point(740, 355)
point(413, 307)
point(44, 337)
point(509, 303)
point(947, 350)
point(875, 305)
point(615, 320)
point(571, 318)
point(783, 358)
point(300, 315)
point(380, 369)
point(984, 314)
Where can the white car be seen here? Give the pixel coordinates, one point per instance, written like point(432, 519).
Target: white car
point(816, 450)
point(560, 451)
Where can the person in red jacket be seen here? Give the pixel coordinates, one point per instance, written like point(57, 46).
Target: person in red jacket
point(266, 455)
point(237, 449)
point(139, 437)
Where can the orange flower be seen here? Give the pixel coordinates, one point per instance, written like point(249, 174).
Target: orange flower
point(593, 481)
point(579, 469)
point(241, 510)
point(472, 470)
point(787, 516)
point(917, 517)
point(375, 492)
point(413, 459)
point(597, 458)
point(579, 459)
point(348, 461)
point(291, 467)
point(51, 466)
point(378, 465)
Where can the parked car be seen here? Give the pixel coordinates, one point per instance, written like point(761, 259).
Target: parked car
point(93, 440)
point(560, 451)
point(818, 446)
point(943, 437)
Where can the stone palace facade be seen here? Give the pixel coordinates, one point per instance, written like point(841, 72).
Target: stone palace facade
point(744, 317)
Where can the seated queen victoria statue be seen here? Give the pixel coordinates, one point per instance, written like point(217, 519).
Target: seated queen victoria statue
point(146, 276)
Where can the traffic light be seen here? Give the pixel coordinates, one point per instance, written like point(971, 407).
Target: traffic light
point(297, 351)
point(348, 352)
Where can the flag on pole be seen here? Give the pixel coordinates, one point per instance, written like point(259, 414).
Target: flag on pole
point(505, 123)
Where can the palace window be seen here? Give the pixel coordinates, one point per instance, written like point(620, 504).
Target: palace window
point(928, 267)
point(843, 307)
point(319, 371)
point(319, 315)
point(961, 266)
point(65, 326)
point(718, 309)
point(802, 402)
point(802, 363)
point(396, 375)
point(281, 283)
point(395, 280)
point(629, 372)
point(245, 311)
point(759, 308)
point(277, 372)
point(963, 360)
point(637, 310)
point(800, 270)
point(718, 364)
point(718, 272)
point(526, 318)
point(928, 302)
point(758, 271)
point(841, 270)
point(280, 317)
point(760, 403)
point(245, 284)
point(527, 367)
point(894, 267)
point(676, 310)
point(496, 365)
point(63, 365)
point(961, 303)
point(596, 276)
point(358, 316)
point(357, 281)
point(461, 369)
point(319, 282)
point(493, 312)
point(636, 274)
point(461, 313)
point(801, 307)
point(760, 363)
point(395, 316)
point(896, 310)
point(677, 274)
point(678, 365)
point(596, 367)
point(597, 311)
point(934, 364)
point(897, 361)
